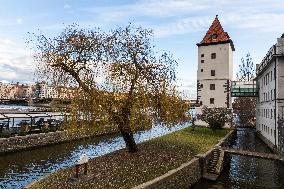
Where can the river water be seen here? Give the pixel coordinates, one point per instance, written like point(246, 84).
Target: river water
point(247, 172)
point(20, 168)
point(14, 107)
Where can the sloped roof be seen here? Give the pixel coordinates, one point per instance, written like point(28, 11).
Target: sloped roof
point(216, 35)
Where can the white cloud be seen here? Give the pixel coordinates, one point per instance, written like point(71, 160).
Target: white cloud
point(19, 20)
point(181, 26)
point(67, 6)
point(152, 8)
point(16, 64)
point(172, 17)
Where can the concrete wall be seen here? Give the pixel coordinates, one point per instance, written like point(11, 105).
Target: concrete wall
point(19, 143)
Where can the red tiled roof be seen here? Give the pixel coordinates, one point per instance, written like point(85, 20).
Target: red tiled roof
point(216, 35)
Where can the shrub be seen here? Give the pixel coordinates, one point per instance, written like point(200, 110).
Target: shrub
point(5, 135)
point(215, 117)
point(44, 130)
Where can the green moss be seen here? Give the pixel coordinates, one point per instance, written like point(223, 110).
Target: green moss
point(154, 158)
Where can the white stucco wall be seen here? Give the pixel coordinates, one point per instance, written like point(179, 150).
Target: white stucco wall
point(223, 66)
point(266, 102)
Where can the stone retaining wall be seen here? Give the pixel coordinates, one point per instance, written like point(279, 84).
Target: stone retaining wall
point(19, 143)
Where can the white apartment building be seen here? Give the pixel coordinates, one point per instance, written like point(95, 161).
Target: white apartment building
point(47, 91)
point(270, 104)
point(27, 91)
point(215, 68)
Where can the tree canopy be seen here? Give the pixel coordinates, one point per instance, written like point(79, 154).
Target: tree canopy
point(120, 78)
point(244, 107)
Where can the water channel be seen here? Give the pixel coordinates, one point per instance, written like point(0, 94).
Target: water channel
point(20, 168)
point(247, 172)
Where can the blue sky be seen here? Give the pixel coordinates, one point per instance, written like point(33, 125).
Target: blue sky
point(253, 25)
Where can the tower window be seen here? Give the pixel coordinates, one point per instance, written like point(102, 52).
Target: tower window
point(201, 85)
point(212, 86)
point(202, 61)
point(201, 70)
point(211, 100)
point(201, 103)
point(212, 72)
point(213, 55)
point(202, 55)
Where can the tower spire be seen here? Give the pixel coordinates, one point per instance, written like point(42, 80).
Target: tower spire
point(216, 35)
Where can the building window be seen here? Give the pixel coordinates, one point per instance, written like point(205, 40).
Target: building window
point(202, 61)
point(214, 36)
point(201, 70)
point(201, 85)
point(212, 72)
point(200, 103)
point(202, 55)
point(211, 100)
point(213, 55)
point(212, 86)
point(271, 114)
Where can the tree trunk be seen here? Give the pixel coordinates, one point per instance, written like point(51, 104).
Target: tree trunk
point(129, 141)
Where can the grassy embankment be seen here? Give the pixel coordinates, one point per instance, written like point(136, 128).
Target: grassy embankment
point(154, 158)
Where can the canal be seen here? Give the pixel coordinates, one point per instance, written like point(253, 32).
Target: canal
point(20, 168)
point(247, 172)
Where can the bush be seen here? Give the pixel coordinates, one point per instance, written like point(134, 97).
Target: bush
point(45, 130)
point(23, 133)
point(215, 117)
point(5, 135)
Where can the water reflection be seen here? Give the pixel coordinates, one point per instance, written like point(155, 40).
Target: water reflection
point(247, 172)
point(19, 169)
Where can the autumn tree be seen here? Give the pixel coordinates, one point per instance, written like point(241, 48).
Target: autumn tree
point(244, 107)
point(121, 79)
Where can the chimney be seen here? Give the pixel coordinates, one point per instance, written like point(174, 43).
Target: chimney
point(280, 45)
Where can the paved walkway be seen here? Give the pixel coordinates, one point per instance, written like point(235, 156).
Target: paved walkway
point(254, 154)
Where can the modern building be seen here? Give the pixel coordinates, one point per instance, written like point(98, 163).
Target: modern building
point(270, 103)
point(215, 68)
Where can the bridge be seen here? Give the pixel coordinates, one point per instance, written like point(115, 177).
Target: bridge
point(263, 155)
point(244, 89)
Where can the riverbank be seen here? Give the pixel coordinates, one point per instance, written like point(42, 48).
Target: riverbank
point(32, 141)
point(154, 158)
point(247, 172)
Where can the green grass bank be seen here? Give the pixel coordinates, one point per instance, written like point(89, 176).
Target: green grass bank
point(154, 158)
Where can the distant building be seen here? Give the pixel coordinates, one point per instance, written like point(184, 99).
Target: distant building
point(27, 91)
point(215, 68)
point(12, 91)
point(270, 104)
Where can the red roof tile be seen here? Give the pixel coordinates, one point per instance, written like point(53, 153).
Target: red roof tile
point(216, 35)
